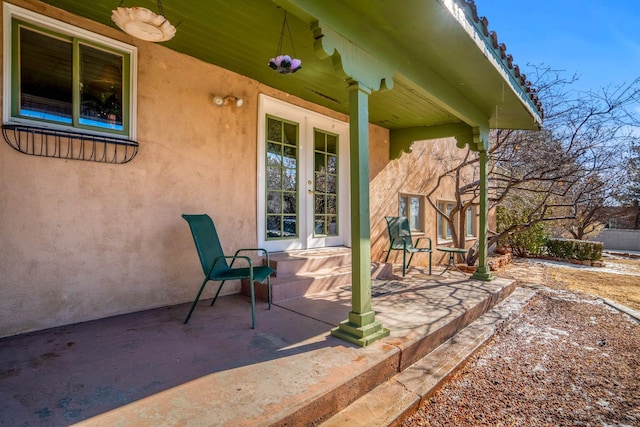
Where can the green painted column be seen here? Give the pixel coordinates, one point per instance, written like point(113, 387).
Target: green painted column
point(483, 272)
point(360, 328)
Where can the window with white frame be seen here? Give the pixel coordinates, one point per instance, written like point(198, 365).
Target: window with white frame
point(444, 229)
point(61, 76)
point(412, 207)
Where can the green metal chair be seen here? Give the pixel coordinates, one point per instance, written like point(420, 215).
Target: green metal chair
point(215, 266)
point(400, 240)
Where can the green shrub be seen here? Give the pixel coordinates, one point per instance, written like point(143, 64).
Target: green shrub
point(530, 241)
point(575, 249)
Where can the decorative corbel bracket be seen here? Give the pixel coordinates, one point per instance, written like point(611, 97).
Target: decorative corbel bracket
point(354, 62)
point(479, 140)
point(401, 140)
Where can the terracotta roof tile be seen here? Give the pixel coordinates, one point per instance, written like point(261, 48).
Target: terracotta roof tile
point(492, 37)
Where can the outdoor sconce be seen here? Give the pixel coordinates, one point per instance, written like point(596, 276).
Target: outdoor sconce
point(221, 101)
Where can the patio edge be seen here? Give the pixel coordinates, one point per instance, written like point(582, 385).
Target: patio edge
point(392, 402)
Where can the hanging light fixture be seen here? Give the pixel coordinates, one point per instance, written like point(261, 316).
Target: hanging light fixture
point(144, 24)
point(284, 64)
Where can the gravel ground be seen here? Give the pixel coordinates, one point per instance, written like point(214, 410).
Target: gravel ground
point(569, 360)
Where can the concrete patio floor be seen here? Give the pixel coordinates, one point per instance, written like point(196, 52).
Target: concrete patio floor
point(148, 369)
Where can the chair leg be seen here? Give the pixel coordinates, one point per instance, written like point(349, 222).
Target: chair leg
point(196, 300)
point(388, 253)
point(404, 262)
point(429, 263)
point(269, 291)
point(410, 259)
point(253, 303)
point(217, 293)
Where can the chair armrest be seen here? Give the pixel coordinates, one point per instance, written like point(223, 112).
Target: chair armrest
point(233, 259)
point(264, 251)
point(430, 247)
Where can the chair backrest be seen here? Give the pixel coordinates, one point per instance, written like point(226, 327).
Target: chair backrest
point(399, 231)
point(207, 243)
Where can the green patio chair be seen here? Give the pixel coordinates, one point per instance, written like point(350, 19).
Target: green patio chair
point(215, 266)
point(400, 240)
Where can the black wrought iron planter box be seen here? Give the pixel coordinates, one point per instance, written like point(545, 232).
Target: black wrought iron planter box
point(61, 144)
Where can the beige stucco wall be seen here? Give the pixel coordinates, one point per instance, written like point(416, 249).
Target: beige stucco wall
point(413, 173)
point(81, 240)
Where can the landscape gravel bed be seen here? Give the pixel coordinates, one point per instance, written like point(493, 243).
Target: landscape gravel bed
point(569, 360)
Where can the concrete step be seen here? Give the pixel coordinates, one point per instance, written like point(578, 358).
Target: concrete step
point(391, 402)
point(299, 285)
point(309, 261)
point(300, 273)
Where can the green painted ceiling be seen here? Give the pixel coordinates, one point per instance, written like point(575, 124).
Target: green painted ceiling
point(442, 74)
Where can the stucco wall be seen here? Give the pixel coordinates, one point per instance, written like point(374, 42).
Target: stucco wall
point(413, 173)
point(82, 240)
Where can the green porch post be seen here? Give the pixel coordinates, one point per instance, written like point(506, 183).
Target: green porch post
point(360, 328)
point(483, 272)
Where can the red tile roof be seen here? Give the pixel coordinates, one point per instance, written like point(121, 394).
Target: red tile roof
point(501, 49)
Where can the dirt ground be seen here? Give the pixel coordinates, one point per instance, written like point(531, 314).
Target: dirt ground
point(618, 280)
point(570, 359)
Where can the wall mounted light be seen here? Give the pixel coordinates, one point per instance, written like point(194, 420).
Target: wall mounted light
point(221, 101)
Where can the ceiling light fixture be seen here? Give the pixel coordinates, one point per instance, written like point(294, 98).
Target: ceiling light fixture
point(144, 24)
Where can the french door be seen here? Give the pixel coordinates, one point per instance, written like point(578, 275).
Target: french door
point(303, 188)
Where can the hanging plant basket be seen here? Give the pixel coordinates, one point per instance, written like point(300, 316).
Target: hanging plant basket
point(284, 64)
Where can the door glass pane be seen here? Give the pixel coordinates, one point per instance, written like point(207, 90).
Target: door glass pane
point(325, 184)
point(274, 202)
point(332, 225)
point(290, 226)
point(274, 226)
point(332, 205)
point(46, 79)
point(289, 202)
point(282, 179)
point(290, 179)
point(290, 134)
point(274, 178)
point(274, 130)
point(101, 88)
point(332, 144)
point(319, 228)
point(290, 157)
point(332, 164)
point(274, 154)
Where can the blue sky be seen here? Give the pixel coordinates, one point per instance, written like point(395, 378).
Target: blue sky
point(597, 39)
